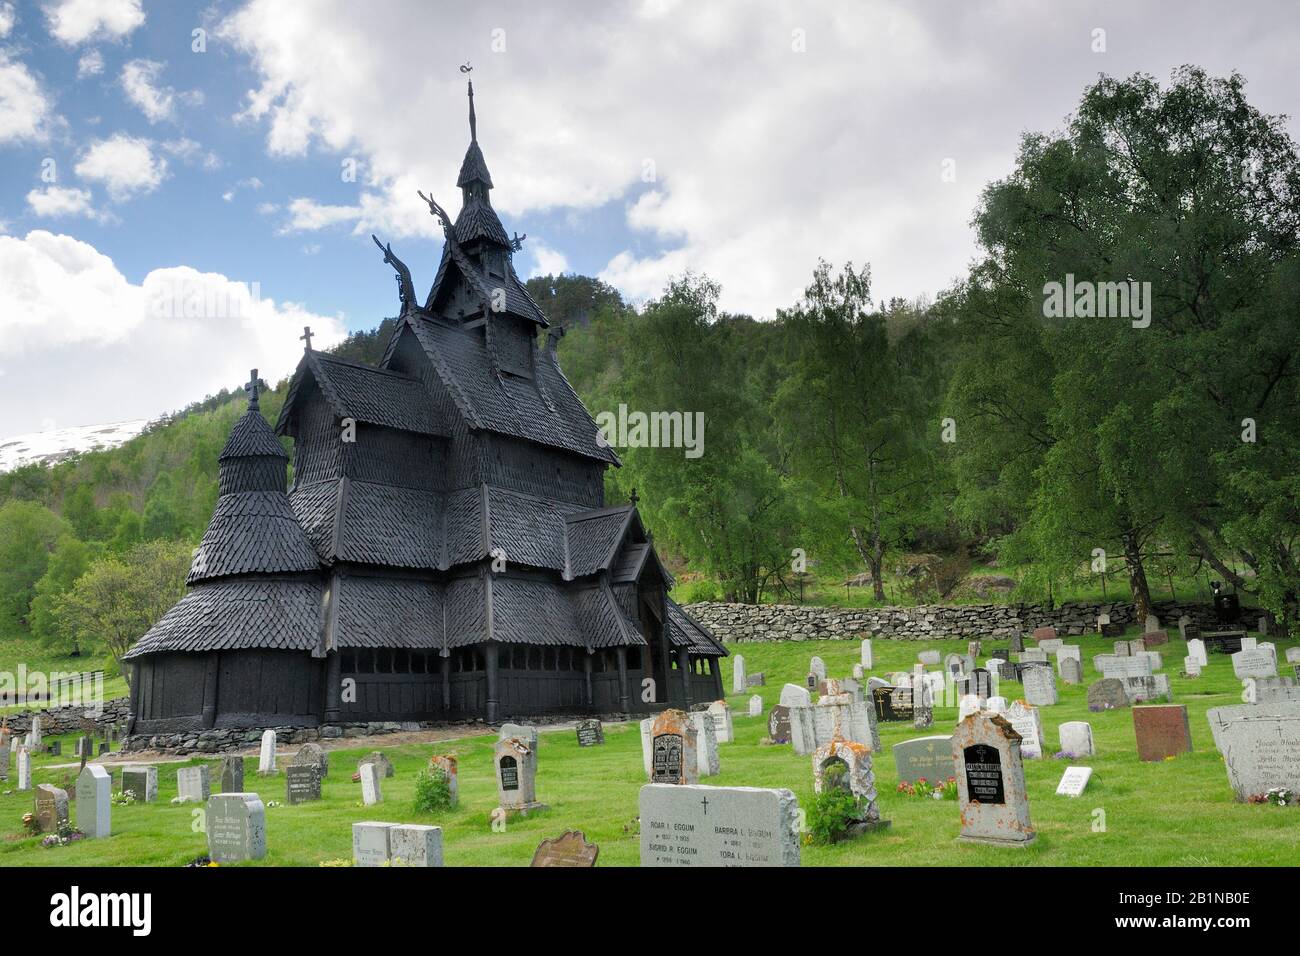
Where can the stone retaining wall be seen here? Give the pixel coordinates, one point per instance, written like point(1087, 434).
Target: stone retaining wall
point(67, 720)
point(738, 623)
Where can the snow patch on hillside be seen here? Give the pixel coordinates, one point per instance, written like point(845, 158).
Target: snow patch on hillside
point(60, 443)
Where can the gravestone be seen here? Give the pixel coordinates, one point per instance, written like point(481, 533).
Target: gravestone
point(141, 783)
point(232, 774)
point(1293, 655)
point(1191, 666)
point(1254, 663)
point(1034, 656)
point(840, 716)
point(792, 695)
point(1040, 686)
point(646, 745)
point(266, 757)
point(1122, 667)
point(525, 732)
point(571, 849)
point(1068, 651)
point(56, 748)
point(1052, 646)
point(94, 802)
point(24, 768)
point(1076, 738)
point(967, 704)
point(1027, 722)
point(4, 763)
point(924, 757)
point(922, 701)
point(778, 724)
point(674, 757)
point(722, 725)
point(1044, 634)
point(372, 843)
point(1152, 687)
point(867, 657)
point(756, 680)
point(312, 755)
point(1122, 649)
point(1155, 638)
point(1152, 624)
point(817, 667)
point(847, 765)
point(1156, 661)
point(1017, 642)
point(1002, 655)
point(1267, 690)
point(892, 704)
point(996, 704)
point(1102, 620)
point(953, 663)
point(192, 784)
point(302, 783)
point(1074, 781)
point(414, 844)
point(973, 648)
point(236, 825)
point(858, 672)
point(991, 782)
point(372, 790)
point(1071, 670)
point(1248, 644)
point(692, 825)
point(756, 706)
point(706, 744)
point(591, 733)
point(446, 766)
point(929, 658)
point(1162, 731)
point(51, 808)
point(105, 748)
point(738, 684)
point(1260, 745)
point(377, 758)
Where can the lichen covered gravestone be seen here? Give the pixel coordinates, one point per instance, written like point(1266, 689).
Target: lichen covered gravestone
point(516, 767)
point(673, 743)
point(847, 765)
point(1162, 731)
point(312, 755)
point(692, 825)
point(991, 782)
point(1107, 694)
point(415, 844)
point(372, 790)
point(378, 758)
point(302, 783)
point(706, 744)
point(571, 849)
point(232, 774)
point(1076, 738)
point(51, 808)
point(525, 732)
point(236, 824)
point(446, 766)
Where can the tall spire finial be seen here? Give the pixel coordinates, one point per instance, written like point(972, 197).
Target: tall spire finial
point(473, 122)
point(251, 389)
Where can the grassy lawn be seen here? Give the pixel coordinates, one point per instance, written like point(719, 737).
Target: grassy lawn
point(17, 647)
point(1177, 812)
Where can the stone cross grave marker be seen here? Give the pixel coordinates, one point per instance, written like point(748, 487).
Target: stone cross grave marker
point(1162, 731)
point(95, 802)
point(236, 825)
point(693, 825)
point(991, 782)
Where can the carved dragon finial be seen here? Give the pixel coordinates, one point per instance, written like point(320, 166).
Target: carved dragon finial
point(405, 287)
point(438, 213)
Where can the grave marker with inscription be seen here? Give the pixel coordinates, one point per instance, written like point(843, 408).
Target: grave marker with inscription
point(570, 849)
point(193, 784)
point(693, 825)
point(266, 756)
point(1162, 731)
point(141, 783)
point(924, 757)
point(591, 733)
point(94, 802)
point(1074, 781)
point(673, 754)
point(51, 808)
point(302, 783)
point(236, 824)
point(991, 782)
point(1260, 744)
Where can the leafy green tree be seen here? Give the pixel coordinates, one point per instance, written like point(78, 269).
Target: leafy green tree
point(29, 533)
point(80, 511)
point(69, 561)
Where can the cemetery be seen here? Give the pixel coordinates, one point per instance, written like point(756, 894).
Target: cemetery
point(1143, 784)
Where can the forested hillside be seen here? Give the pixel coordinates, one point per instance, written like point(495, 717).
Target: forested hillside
point(915, 450)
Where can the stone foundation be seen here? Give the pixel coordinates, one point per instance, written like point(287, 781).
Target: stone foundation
point(741, 623)
point(68, 720)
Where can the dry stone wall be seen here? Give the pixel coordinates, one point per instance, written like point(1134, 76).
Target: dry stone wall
point(739, 623)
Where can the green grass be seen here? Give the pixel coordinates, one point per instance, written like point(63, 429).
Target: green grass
point(1176, 812)
point(18, 647)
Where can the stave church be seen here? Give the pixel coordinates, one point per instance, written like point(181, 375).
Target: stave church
point(444, 551)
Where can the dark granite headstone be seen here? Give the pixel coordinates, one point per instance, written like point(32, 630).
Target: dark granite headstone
point(232, 774)
point(778, 724)
point(302, 782)
point(984, 774)
point(893, 703)
point(590, 733)
point(1107, 694)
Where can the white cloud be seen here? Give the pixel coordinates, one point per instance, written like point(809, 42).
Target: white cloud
point(307, 215)
point(7, 18)
point(24, 108)
point(141, 79)
point(763, 158)
point(76, 21)
point(125, 165)
point(55, 201)
point(188, 151)
point(90, 64)
point(546, 261)
point(95, 346)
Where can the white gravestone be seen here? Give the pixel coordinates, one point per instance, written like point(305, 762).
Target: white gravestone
point(415, 844)
point(756, 706)
point(192, 784)
point(722, 724)
point(266, 759)
point(371, 843)
point(646, 748)
point(792, 695)
point(1074, 781)
point(1040, 686)
point(867, 659)
point(1192, 666)
point(1028, 723)
point(371, 790)
point(94, 802)
point(236, 824)
point(738, 674)
point(1076, 738)
point(817, 667)
point(24, 768)
point(1254, 663)
point(706, 744)
point(693, 825)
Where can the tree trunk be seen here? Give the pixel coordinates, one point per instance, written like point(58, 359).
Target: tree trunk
point(1137, 578)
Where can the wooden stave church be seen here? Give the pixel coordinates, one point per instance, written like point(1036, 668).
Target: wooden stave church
point(444, 553)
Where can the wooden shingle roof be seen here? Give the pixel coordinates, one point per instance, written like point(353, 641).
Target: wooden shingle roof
point(373, 396)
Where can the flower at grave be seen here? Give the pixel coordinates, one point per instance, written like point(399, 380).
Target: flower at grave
point(177, 800)
point(339, 862)
point(30, 824)
point(270, 804)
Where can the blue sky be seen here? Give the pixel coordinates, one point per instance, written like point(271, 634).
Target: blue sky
point(632, 140)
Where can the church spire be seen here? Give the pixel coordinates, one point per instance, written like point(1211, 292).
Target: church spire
point(473, 122)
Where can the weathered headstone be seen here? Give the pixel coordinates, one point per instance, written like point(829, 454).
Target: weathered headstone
point(722, 724)
point(591, 733)
point(236, 824)
point(924, 757)
point(415, 844)
point(1152, 624)
point(1017, 642)
point(967, 704)
point(141, 783)
point(738, 684)
point(1026, 721)
point(817, 667)
point(94, 802)
point(192, 784)
point(1074, 781)
point(868, 660)
point(312, 755)
point(1155, 638)
point(692, 825)
point(674, 757)
point(847, 765)
point(1162, 731)
point(24, 768)
point(792, 695)
point(1260, 746)
point(372, 843)
point(706, 744)
point(756, 706)
point(1044, 634)
point(51, 808)
point(646, 744)
point(372, 790)
point(1040, 686)
point(1267, 690)
point(1254, 663)
point(571, 849)
point(446, 766)
point(756, 680)
point(1076, 738)
point(1052, 646)
point(778, 724)
point(929, 658)
point(1293, 655)
point(232, 774)
point(991, 782)
point(378, 758)
point(302, 783)
point(1071, 670)
point(525, 732)
point(1191, 666)
point(266, 757)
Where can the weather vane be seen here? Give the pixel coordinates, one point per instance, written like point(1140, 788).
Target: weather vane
point(466, 68)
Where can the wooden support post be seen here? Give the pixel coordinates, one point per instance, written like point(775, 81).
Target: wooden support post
point(684, 665)
point(490, 668)
point(133, 708)
point(210, 691)
point(624, 697)
point(586, 670)
point(333, 687)
point(444, 665)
